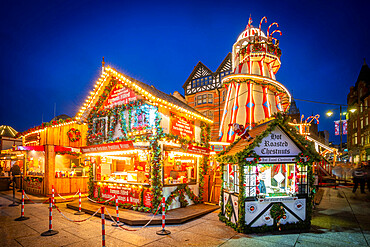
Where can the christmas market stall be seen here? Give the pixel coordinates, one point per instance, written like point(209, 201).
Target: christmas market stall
point(53, 158)
point(143, 144)
point(267, 178)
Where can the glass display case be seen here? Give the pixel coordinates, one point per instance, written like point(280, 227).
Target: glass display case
point(180, 168)
point(69, 166)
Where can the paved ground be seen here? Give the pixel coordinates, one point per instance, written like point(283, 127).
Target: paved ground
point(341, 219)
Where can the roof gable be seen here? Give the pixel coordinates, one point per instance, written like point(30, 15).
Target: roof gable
point(260, 134)
point(226, 64)
point(112, 82)
point(7, 131)
point(199, 71)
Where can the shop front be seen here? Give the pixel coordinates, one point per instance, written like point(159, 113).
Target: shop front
point(52, 158)
point(143, 144)
point(268, 180)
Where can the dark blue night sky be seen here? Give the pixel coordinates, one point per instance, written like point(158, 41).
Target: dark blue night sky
point(51, 51)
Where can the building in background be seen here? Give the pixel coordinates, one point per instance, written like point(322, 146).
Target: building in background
point(358, 101)
point(204, 92)
point(8, 137)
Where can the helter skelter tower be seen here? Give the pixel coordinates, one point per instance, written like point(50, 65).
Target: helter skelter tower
point(253, 93)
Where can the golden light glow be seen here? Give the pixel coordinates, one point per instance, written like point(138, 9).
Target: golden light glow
point(113, 153)
point(156, 101)
point(174, 153)
point(329, 113)
point(352, 110)
point(219, 143)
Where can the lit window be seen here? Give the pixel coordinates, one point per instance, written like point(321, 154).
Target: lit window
point(199, 99)
point(210, 98)
point(204, 98)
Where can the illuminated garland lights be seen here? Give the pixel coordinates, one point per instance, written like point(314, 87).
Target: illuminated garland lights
point(205, 137)
point(180, 192)
point(68, 153)
point(156, 178)
point(137, 89)
point(43, 126)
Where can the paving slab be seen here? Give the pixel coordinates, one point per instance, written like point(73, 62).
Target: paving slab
point(97, 242)
point(185, 238)
point(63, 238)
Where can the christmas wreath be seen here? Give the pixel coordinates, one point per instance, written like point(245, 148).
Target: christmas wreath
point(74, 135)
point(277, 212)
point(229, 210)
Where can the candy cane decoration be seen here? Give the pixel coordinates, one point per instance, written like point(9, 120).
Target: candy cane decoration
point(276, 31)
point(268, 29)
point(316, 117)
point(263, 18)
point(257, 182)
point(296, 178)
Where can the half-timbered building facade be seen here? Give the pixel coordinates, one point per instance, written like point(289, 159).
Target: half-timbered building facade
point(204, 91)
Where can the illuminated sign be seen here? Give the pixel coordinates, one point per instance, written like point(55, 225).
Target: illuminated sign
point(117, 146)
point(277, 147)
point(182, 127)
point(119, 95)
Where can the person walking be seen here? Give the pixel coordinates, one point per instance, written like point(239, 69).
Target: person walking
point(359, 177)
point(367, 173)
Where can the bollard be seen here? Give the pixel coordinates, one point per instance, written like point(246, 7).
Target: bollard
point(52, 195)
point(13, 204)
point(79, 204)
point(163, 231)
point(22, 210)
point(117, 213)
point(102, 226)
point(50, 232)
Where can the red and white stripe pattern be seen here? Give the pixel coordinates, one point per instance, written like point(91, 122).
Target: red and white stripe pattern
point(103, 226)
point(79, 200)
point(266, 103)
point(50, 214)
point(163, 213)
point(22, 207)
point(117, 212)
point(52, 193)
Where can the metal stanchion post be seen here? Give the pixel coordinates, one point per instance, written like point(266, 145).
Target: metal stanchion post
point(13, 204)
point(163, 231)
point(22, 210)
point(102, 226)
point(117, 213)
point(79, 204)
point(50, 232)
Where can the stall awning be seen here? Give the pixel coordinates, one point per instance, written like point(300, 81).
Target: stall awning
point(30, 148)
point(109, 147)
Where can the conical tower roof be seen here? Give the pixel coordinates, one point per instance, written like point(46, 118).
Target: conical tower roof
point(7, 131)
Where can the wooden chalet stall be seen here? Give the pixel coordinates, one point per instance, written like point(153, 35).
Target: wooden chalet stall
point(143, 144)
point(53, 157)
point(268, 180)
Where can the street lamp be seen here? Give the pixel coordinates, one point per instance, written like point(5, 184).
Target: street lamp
point(330, 113)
